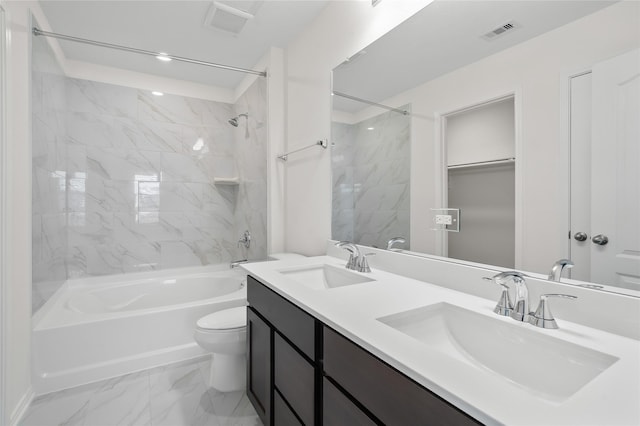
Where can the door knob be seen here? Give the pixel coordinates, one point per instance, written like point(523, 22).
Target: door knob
point(580, 236)
point(600, 240)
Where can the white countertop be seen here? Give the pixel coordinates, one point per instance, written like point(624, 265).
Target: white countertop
point(611, 398)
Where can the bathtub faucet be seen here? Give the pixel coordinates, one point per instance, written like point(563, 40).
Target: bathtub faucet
point(236, 263)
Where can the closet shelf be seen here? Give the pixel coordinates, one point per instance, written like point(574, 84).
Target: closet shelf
point(226, 180)
point(482, 163)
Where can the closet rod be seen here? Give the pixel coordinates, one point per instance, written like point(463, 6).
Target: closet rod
point(39, 32)
point(323, 143)
point(354, 98)
point(483, 163)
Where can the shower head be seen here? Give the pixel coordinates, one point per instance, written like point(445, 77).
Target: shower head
point(234, 121)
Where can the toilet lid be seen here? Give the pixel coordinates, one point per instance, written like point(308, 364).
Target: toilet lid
point(225, 319)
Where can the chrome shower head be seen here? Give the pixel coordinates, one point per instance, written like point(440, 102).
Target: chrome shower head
point(234, 121)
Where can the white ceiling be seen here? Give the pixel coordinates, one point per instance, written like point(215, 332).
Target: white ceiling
point(444, 36)
point(177, 28)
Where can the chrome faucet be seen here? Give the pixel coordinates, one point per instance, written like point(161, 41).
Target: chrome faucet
point(395, 240)
point(236, 263)
point(354, 254)
point(520, 311)
point(558, 267)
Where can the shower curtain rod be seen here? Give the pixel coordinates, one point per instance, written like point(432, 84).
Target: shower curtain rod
point(354, 98)
point(39, 32)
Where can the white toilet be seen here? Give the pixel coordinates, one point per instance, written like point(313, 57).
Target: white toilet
point(224, 333)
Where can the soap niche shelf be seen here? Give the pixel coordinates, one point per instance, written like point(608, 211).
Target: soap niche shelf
point(232, 181)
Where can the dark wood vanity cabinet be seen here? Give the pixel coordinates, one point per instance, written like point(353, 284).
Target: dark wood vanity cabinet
point(282, 358)
point(302, 372)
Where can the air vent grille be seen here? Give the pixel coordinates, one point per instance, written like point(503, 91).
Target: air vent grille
point(227, 18)
point(501, 30)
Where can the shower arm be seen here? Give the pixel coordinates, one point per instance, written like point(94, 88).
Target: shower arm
point(323, 143)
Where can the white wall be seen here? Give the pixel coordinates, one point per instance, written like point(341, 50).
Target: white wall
point(18, 174)
point(343, 28)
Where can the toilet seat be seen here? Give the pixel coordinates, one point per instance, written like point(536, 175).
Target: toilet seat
point(227, 319)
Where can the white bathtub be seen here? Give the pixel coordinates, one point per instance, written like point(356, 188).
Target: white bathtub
point(101, 327)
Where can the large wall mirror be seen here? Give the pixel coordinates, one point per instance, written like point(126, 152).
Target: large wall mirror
point(502, 133)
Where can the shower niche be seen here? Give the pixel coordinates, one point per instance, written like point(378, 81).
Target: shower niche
point(479, 181)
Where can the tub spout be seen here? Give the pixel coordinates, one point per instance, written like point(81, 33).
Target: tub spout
point(236, 263)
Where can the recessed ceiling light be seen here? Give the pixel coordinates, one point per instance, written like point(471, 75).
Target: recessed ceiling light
point(156, 93)
point(370, 128)
point(163, 57)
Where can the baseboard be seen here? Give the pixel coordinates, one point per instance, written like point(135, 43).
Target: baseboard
point(21, 408)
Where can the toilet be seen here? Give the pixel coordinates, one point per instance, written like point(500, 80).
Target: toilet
point(224, 334)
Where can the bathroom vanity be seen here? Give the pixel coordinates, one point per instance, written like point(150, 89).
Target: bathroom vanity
point(327, 346)
point(301, 371)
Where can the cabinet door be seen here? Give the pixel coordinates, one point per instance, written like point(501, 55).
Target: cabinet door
point(259, 350)
point(293, 377)
point(282, 414)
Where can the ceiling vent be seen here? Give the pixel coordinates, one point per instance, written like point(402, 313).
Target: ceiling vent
point(231, 20)
point(501, 30)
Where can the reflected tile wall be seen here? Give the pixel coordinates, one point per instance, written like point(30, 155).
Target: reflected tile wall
point(127, 184)
point(371, 172)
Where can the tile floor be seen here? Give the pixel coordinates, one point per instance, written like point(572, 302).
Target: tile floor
point(172, 395)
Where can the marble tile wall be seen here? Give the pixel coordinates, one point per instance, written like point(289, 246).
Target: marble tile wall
point(251, 152)
point(49, 187)
point(371, 173)
point(131, 185)
point(141, 193)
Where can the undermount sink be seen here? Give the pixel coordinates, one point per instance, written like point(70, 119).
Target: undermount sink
point(322, 277)
point(546, 366)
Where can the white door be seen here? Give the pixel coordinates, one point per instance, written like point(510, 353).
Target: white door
point(615, 172)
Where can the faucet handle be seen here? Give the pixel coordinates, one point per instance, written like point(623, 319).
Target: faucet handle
point(354, 254)
point(543, 317)
point(364, 264)
point(504, 305)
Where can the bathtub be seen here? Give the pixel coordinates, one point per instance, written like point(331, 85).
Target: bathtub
point(101, 327)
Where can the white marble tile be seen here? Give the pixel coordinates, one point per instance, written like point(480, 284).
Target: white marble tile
point(209, 140)
point(180, 197)
point(68, 407)
point(169, 108)
point(153, 136)
point(123, 400)
point(184, 168)
point(115, 164)
point(100, 98)
point(105, 195)
point(94, 130)
point(179, 396)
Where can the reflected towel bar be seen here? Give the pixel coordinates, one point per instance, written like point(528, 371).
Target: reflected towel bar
point(482, 163)
point(323, 143)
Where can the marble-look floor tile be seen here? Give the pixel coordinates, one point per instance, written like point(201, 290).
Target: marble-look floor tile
point(175, 395)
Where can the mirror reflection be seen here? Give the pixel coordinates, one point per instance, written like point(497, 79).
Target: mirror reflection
point(508, 112)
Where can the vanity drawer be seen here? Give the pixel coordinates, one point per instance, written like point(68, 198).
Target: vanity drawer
point(338, 410)
point(293, 377)
point(389, 395)
point(291, 321)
